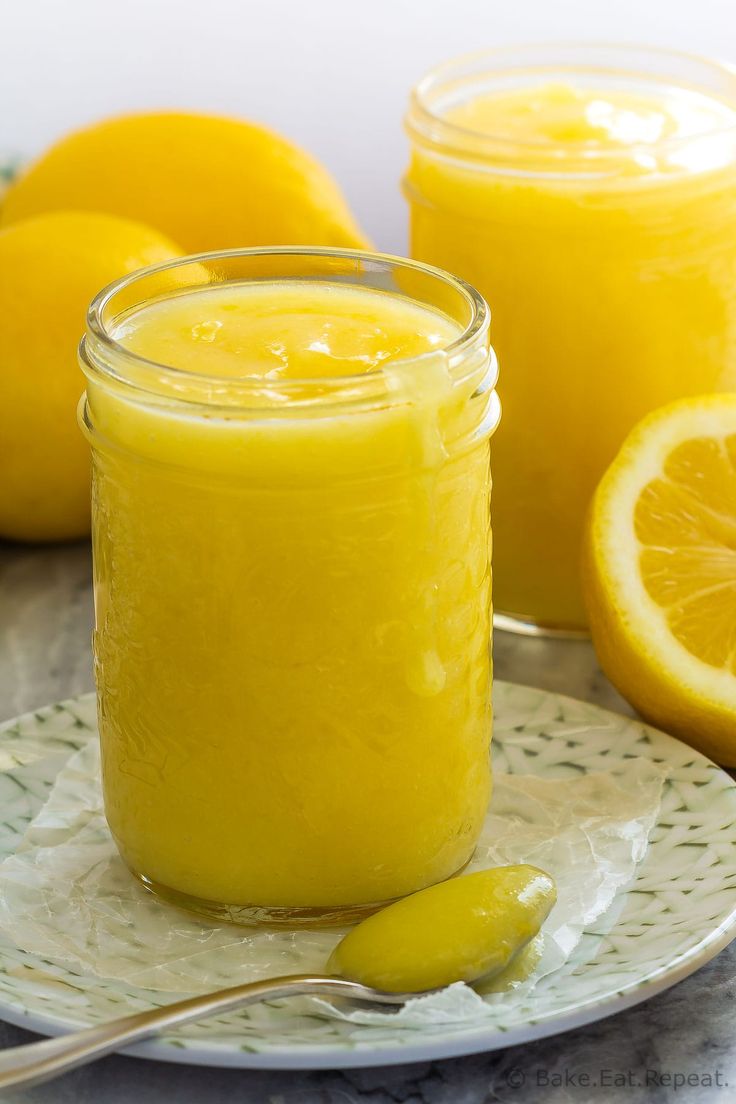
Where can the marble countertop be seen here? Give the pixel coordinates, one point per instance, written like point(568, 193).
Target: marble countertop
point(677, 1048)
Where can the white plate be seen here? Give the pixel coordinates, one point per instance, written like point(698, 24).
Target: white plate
point(675, 916)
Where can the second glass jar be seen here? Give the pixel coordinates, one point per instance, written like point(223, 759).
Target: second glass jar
point(590, 194)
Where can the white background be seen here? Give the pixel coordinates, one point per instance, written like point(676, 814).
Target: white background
point(332, 74)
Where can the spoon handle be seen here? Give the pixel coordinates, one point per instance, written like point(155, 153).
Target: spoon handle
point(28, 1065)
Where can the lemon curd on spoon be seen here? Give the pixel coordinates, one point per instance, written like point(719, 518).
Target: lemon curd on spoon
point(292, 561)
point(466, 929)
point(590, 194)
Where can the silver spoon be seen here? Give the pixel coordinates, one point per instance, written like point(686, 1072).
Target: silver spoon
point(488, 909)
point(33, 1063)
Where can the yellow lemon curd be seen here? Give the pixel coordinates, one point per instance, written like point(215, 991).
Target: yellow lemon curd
point(292, 600)
point(599, 219)
point(462, 930)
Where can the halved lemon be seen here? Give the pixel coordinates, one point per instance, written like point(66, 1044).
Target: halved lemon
point(660, 572)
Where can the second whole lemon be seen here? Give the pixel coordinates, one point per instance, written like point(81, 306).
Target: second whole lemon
point(207, 182)
point(50, 268)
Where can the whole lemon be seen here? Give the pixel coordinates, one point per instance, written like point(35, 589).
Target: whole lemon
point(207, 182)
point(50, 269)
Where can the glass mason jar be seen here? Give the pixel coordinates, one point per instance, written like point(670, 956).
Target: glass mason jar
point(292, 590)
point(589, 192)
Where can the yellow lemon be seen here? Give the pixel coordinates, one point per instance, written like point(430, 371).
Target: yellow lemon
point(50, 269)
point(660, 572)
point(207, 182)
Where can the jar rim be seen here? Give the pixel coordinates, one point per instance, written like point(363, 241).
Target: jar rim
point(98, 343)
point(424, 121)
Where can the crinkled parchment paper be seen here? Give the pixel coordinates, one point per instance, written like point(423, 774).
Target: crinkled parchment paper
point(65, 894)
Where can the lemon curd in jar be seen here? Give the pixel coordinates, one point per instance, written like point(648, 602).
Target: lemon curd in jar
point(292, 576)
point(590, 194)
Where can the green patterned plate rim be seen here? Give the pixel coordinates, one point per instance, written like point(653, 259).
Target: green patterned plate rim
point(678, 912)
